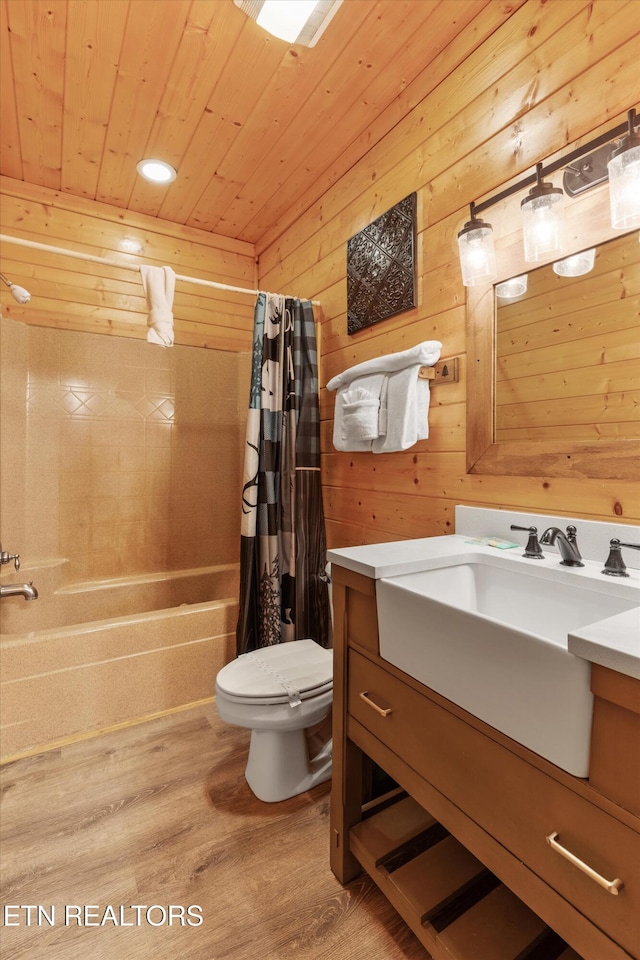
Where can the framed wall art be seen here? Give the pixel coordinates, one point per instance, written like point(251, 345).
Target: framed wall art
point(381, 267)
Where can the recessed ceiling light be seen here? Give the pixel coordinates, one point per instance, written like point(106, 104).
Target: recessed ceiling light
point(156, 171)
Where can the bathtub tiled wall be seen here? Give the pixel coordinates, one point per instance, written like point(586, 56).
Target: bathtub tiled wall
point(119, 455)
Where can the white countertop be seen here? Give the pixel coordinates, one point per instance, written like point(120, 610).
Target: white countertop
point(613, 642)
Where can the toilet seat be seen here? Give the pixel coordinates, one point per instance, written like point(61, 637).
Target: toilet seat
point(283, 673)
point(280, 693)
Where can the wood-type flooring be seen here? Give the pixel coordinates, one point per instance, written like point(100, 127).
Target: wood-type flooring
point(159, 815)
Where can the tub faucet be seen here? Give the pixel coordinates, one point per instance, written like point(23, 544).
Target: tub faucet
point(26, 590)
point(567, 545)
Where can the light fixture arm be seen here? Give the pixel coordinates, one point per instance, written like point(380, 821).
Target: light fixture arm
point(631, 119)
point(541, 170)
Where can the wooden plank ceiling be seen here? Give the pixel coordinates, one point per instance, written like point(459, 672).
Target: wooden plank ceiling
point(251, 123)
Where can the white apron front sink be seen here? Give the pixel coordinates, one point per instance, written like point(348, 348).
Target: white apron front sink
point(491, 635)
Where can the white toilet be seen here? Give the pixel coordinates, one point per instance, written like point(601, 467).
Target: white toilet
point(279, 693)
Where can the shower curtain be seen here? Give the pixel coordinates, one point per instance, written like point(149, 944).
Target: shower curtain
point(283, 585)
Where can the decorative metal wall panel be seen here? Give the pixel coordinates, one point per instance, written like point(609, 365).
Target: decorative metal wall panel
point(381, 267)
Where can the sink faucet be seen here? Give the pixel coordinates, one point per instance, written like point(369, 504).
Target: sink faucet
point(567, 545)
point(26, 590)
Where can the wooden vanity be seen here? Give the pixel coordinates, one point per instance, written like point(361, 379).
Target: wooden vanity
point(460, 847)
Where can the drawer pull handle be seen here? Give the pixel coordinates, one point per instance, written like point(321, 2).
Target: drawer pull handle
point(383, 712)
point(612, 886)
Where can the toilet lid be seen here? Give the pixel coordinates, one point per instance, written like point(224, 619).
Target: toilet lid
point(285, 671)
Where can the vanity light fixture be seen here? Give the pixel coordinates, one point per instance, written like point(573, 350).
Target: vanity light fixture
point(156, 171)
point(477, 253)
point(542, 209)
point(576, 265)
point(296, 21)
point(542, 220)
point(624, 180)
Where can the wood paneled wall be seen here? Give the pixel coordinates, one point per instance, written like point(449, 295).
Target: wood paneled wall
point(76, 295)
point(519, 84)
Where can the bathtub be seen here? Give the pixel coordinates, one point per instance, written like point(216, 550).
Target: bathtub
point(85, 657)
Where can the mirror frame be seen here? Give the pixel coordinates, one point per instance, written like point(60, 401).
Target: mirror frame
point(610, 459)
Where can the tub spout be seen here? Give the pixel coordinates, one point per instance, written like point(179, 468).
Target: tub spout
point(26, 590)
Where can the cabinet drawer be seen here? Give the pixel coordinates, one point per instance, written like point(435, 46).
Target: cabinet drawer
point(515, 802)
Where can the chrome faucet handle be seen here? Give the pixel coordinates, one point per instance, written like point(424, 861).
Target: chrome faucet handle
point(8, 557)
point(615, 565)
point(533, 550)
point(572, 534)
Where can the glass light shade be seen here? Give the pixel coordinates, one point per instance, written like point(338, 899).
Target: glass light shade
point(285, 18)
point(575, 265)
point(543, 222)
point(477, 253)
point(624, 188)
point(156, 171)
point(515, 287)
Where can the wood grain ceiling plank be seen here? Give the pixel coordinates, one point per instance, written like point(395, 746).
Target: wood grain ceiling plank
point(339, 109)
point(253, 61)
point(10, 156)
point(372, 142)
point(206, 45)
point(301, 73)
point(95, 33)
point(37, 52)
point(359, 94)
point(145, 63)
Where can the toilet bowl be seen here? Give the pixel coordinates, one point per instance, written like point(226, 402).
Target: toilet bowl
point(280, 693)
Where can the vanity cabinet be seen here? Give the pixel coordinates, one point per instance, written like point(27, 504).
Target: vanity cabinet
point(460, 846)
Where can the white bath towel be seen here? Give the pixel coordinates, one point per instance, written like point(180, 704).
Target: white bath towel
point(405, 410)
point(423, 396)
point(356, 417)
point(423, 354)
point(360, 412)
point(158, 284)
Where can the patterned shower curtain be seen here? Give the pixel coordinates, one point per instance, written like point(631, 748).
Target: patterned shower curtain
point(283, 586)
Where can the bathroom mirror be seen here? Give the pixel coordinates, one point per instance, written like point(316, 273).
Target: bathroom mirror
point(554, 372)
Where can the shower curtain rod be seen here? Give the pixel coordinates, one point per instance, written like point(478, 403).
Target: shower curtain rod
point(35, 245)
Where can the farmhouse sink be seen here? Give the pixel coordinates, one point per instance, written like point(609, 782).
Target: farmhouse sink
point(491, 634)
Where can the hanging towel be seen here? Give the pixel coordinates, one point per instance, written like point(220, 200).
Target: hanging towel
point(423, 354)
point(423, 399)
point(403, 401)
point(356, 419)
point(158, 284)
point(405, 404)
